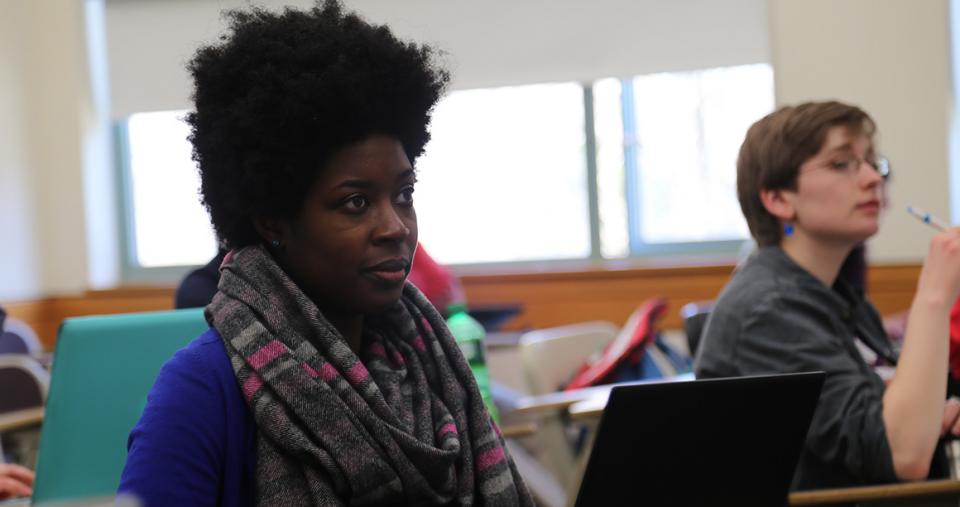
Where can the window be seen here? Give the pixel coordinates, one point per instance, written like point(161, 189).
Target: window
point(667, 159)
point(614, 169)
point(167, 225)
point(504, 176)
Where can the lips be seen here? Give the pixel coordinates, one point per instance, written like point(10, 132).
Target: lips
point(873, 205)
point(389, 272)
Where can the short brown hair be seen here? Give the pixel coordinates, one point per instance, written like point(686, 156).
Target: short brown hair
point(774, 149)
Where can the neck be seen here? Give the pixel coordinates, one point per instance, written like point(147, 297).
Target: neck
point(351, 327)
point(820, 258)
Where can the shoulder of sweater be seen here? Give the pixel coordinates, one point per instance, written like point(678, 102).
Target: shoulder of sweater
point(203, 356)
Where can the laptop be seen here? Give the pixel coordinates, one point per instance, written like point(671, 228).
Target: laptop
point(727, 441)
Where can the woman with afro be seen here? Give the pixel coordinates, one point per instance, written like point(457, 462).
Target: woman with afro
point(325, 378)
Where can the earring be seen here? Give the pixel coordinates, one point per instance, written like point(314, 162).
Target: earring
point(275, 243)
point(788, 229)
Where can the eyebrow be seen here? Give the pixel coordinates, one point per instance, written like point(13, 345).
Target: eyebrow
point(842, 147)
point(409, 173)
point(362, 183)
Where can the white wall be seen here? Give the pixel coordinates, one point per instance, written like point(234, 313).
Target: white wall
point(892, 58)
point(48, 122)
point(19, 271)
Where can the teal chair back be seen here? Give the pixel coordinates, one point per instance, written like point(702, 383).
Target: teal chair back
point(103, 368)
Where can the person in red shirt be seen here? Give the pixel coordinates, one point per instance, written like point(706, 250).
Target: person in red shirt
point(436, 282)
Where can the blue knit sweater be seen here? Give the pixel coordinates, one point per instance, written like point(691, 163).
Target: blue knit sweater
point(195, 444)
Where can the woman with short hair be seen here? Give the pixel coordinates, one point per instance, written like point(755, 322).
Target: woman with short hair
point(811, 186)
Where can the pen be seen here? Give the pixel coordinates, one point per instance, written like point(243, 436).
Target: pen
point(928, 218)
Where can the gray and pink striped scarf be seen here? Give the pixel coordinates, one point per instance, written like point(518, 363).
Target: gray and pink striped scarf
point(403, 423)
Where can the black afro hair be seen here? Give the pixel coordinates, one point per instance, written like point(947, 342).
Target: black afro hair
point(280, 93)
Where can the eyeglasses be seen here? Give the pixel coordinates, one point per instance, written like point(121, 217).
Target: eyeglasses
point(851, 166)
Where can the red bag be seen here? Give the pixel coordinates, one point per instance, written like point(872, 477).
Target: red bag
point(629, 346)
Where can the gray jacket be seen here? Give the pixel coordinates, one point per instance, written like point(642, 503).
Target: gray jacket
point(775, 317)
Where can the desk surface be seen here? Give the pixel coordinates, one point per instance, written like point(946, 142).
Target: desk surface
point(518, 430)
point(20, 418)
point(586, 402)
point(881, 492)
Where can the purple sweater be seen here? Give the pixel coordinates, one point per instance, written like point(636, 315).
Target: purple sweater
point(195, 444)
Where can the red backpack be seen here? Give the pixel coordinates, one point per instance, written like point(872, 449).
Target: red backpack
point(636, 353)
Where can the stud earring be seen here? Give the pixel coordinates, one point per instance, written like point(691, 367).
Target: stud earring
point(275, 243)
point(788, 229)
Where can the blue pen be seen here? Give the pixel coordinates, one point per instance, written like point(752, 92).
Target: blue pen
point(928, 218)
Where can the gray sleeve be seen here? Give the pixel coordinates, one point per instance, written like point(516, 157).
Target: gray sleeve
point(847, 427)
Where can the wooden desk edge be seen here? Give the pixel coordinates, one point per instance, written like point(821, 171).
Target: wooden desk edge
point(534, 406)
point(586, 412)
point(20, 418)
point(561, 400)
point(518, 430)
point(881, 492)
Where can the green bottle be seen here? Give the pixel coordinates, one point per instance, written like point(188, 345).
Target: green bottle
point(469, 335)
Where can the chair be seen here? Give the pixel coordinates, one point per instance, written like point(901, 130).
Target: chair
point(694, 317)
point(550, 357)
point(104, 368)
point(25, 383)
point(16, 337)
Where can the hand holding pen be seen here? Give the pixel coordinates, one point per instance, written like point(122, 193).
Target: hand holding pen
point(940, 276)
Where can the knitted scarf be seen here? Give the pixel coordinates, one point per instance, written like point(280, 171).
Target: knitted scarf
point(403, 423)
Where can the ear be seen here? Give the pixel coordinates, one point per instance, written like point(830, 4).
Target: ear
point(270, 229)
point(779, 203)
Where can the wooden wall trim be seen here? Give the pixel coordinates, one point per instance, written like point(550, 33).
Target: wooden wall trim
point(45, 315)
point(547, 298)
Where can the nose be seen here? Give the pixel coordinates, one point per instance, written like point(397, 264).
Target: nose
point(392, 225)
point(868, 174)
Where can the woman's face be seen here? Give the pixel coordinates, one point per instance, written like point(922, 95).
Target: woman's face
point(839, 194)
point(351, 247)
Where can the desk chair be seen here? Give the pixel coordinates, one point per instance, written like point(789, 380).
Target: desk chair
point(550, 358)
point(24, 390)
point(16, 337)
point(694, 317)
point(104, 368)
point(25, 383)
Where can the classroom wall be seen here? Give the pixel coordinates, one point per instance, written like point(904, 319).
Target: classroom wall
point(488, 43)
point(891, 56)
point(20, 275)
point(43, 90)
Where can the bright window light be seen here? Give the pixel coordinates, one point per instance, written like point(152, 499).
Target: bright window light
point(504, 177)
point(170, 226)
point(689, 127)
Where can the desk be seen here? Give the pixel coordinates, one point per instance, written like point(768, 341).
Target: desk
point(508, 339)
point(518, 430)
point(884, 492)
point(583, 403)
point(20, 418)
